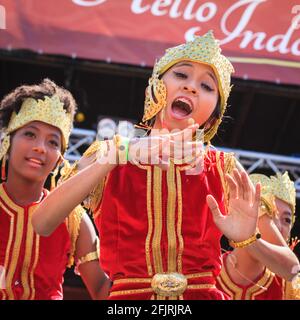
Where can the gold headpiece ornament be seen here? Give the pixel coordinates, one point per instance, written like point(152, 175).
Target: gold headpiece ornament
point(204, 50)
point(49, 110)
point(279, 186)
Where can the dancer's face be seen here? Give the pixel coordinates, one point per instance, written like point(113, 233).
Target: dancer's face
point(35, 151)
point(283, 220)
point(192, 92)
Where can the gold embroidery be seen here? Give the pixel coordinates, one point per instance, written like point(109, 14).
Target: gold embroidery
point(133, 280)
point(291, 291)
point(15, 253)
point(73, 225)
point(146, 290)
point(17, 241)
point(27, 258)
point(148, 280)
point(100, 194)
point(260, 286)
point(229, 165)
point(157, 220)
point(9, 243)
point(131, 291)
point(199, 275)
point(179, 220)
point(222, 177)
point(150, 221)
point(224, 288)
point(237, 292)
point(201, 286)
point(171, 219)
point(36, 258)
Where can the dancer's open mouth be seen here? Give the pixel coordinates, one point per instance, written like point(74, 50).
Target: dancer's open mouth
point(182, 107)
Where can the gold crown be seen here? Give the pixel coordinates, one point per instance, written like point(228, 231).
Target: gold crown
point(284, 189)
point(204, 49)
point(50, 110)
point(279, 186)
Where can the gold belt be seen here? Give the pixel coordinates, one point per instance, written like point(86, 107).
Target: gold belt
point(165, 284)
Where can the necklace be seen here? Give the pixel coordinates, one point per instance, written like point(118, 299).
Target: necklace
point(233, 261)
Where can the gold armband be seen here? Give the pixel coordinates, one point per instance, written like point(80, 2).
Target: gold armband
point(245, 243)
point(90, 256)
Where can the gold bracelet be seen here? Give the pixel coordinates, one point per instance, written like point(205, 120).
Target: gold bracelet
point(247, 242)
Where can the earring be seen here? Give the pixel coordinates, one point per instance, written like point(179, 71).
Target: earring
point(3, 168)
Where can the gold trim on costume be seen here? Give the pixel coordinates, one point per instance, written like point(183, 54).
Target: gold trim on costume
point(226, 283)
point(150, 221)
point(130, 291)
point(17, 241)
point(201, 286)
point(179, 220)
point(9, 243)
point(237, 292)
point(260, 286)
point(199, 275)
point(15, 252)
point(27, 258)
point(156, 242)
point(148, 280)
point(133, 280)
point(171, 205)
point(146, 290)
point(73, 223)
point(35, 262)
point(229, 165)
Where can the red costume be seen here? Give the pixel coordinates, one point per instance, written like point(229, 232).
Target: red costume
point(267, 286)
point(153, 222)
point(33, 265)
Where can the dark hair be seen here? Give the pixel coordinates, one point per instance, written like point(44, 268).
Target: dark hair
point(13, 101)
point(216, 115)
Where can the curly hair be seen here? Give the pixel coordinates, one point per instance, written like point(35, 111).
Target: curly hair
point(13, 101)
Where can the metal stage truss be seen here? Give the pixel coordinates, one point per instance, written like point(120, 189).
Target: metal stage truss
point(82, 138)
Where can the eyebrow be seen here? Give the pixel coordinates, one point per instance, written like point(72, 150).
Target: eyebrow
point(287, 213)
point(186, 64)
point(52, 134)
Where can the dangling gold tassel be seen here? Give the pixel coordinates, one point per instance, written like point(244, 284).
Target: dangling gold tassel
point(3, 168)
point(53, 182)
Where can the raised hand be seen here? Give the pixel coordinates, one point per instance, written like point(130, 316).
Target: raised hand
point(241, 221)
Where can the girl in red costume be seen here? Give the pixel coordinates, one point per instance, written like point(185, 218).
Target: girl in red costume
point(36, 122)
point(159, 238)
point(243, 276)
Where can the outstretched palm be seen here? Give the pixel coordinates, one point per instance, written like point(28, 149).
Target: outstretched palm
point(241, 221)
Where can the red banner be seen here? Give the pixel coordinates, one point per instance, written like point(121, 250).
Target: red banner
point(260, 37)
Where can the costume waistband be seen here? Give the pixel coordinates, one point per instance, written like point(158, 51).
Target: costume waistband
point(171, 285)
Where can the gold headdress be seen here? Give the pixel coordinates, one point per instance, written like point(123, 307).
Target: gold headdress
point(203, 49)
point(49, 110)
point(279, 186)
